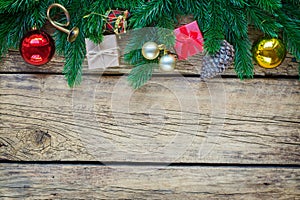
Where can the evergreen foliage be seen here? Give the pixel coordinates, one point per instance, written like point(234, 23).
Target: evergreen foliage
point(218, 20)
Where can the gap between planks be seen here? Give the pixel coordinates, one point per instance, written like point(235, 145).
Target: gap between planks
point(151, 164)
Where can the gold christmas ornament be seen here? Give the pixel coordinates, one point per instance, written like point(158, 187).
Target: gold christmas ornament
point(150, 50)
point(167, 63)
point(269, 53)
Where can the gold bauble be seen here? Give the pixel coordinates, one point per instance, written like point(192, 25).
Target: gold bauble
point(167, 63)
point(269, 53)
point(150, 50)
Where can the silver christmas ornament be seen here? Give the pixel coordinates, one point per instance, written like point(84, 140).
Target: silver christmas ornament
point(167, 63)
point(150, 50)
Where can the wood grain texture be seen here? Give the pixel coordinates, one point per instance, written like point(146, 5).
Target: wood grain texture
point(13, 62)
point(102, 182)
point(209, 128)
point(171, 119)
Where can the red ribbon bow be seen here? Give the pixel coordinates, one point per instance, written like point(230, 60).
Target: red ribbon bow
point(189, 42)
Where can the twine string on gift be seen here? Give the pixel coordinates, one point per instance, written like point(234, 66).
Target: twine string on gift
point(91, 55)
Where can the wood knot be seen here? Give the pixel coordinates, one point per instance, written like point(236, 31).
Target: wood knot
point(36, 140)
point(41, 137)
point(41, 140)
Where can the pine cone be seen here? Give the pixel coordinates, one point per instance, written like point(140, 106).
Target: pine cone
point(216, 64)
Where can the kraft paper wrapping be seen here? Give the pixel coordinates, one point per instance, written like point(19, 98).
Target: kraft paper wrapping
point(103, 55)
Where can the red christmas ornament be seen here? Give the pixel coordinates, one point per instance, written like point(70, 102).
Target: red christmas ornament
point(37, 47)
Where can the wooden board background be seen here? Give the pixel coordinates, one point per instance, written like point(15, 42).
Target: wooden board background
point(101, 182)
point(261, 123)
point(225, 138)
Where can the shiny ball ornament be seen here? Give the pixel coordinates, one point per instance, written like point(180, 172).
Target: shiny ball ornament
point(167, 63)
point(150, 50)
point(269, 53)
point(37, 47)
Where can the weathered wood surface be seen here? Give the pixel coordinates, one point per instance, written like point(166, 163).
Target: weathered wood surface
point(101, 182)
point(13, 62)
point(172, 119)
point(224, 122)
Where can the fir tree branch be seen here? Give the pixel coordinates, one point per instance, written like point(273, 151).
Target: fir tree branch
point(291, 34)
point(4, 5)
point(236, 21)
point(292, 12)
point(160, 13)
point(121, 4)
point(148, 13)
point(214, 34)
point(75, 54)
point(92, 23)
point(14, 27)
point(141, 73)
point(199, 9)
point(269, 5)
point(5, 27)
point(236, 27)
point(182, 9)
point(295, 2)
point(194, 7)
point(292, 2)
point(60, 42)
point(243, 58)
point(215, 18)
point(165, 32)
point(19, 6)
point(138, 38)
point(239, 3)
point(263, 21)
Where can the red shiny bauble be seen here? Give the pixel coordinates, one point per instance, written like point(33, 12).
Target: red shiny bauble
point(37, 47)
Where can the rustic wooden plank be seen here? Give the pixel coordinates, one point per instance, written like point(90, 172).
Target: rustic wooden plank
point(171, 119)
point(102, 182)
point(13, 62)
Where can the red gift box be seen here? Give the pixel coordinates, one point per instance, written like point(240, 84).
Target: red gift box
point(189, 40)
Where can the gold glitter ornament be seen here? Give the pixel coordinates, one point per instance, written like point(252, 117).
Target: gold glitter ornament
point(269, 52)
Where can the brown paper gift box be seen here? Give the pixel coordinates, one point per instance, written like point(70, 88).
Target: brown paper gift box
point(103, 55)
